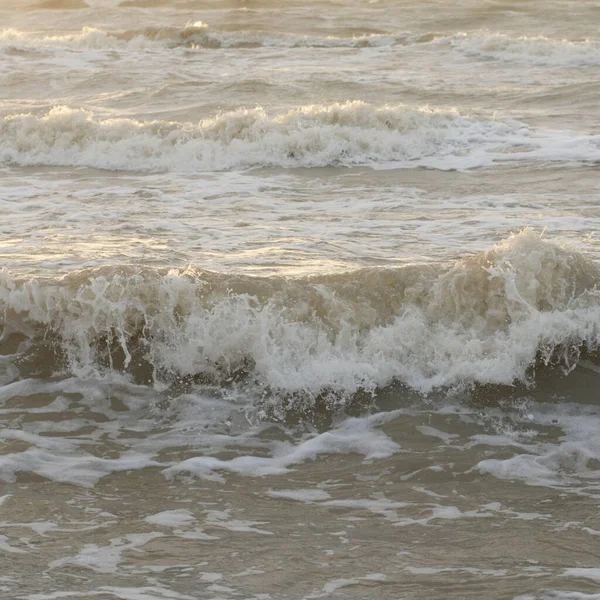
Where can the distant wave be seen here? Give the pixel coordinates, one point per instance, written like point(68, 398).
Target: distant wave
point(354, 133)
point(488, 319)
point(539, 50)
point(89, 38)
point(195, 35)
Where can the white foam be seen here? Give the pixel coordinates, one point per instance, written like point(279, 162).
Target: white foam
point(106, 559)
point(560, 595)
point(211, 577)
point(75, 467)
point(104, 3)
point(222, 519)
point(308, 496)
point(564, 464)
point(378, 505)
point(391, 511)
point(43, 527)
point(171, 518)
point(593, 574)
point(333, 585)
point(122, 593)
point(433, 432)
point(6, 547)
point(352, 436)
point(180, 520)
point(467, 570)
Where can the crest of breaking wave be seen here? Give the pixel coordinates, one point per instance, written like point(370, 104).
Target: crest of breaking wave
point(489, 318)
point(353, 133)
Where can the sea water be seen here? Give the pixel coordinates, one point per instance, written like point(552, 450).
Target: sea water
point(299, 300)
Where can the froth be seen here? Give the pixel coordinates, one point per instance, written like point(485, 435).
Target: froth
point(353, 133)
point(487, 319)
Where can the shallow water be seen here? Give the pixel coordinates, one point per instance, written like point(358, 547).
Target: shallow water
point(299, 302)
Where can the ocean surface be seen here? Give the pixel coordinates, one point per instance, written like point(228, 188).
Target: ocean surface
point(299, 299)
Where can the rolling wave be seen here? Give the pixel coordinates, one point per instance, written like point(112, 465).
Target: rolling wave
point(490, 318)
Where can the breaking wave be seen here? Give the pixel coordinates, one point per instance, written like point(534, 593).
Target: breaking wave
point(491, 318)
point(353, 133)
